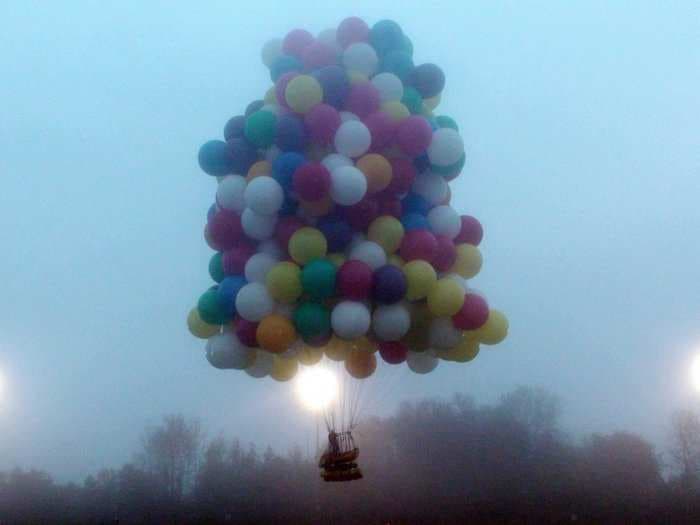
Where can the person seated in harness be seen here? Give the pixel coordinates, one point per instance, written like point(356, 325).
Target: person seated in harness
point(341, 452)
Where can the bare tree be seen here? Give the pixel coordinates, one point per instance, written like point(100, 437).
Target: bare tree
point(686, 446)
point(172, 451)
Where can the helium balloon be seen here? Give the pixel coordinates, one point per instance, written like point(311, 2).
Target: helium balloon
point(303, 92)
point(385, 36)
point(322, 121)
point(393, 352)
point(354, 280)
point(253, 302)
point(227, 291)
point(377, 170)
point(312, 320)
point(348, 185)
point(334, 160)
point(446, 147)
point(387, 232)
point(312, 181)
point(470, 231)
point(318, 279)
point(271, 50)
point(421, 362)
point(369, 253)
point(229, 193)
point(495, 330)
point(360, 364)
point(234, 260)
point(307, 244)
point(418, 244)
point(246, 332)
point(209, 308)
point(352, 30)
point(445, 254)
point(420, 279)
point(198, 327)
point(216, 268)
point(310, 355)
point(352, 139)
point(215, 158)
point(389, 86)
point(291, 135)
point(336, 349)
point(350, 319)
point(445, 221)
point(262, 365)
point(258, 266)
point(428, 79)
point(283, 282)
point(258, 226)
point(445, 298)
point(391, 322)
point(412, 100)
point(389, 284)
point(413, 135)
point(465, 351)
point(431, 186)
point(225, 351)
point(275, 333)
point(443, 334)
point(283, 369)
point(473, 314)
point(360, 57)
point(260, 128)
point(224, 229)
point(468, 261)
point(264, 195)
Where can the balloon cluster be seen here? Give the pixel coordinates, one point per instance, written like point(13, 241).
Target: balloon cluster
point(332, 225)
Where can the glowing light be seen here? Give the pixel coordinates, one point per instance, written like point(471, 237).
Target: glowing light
point(2, 385)
point(695, 373)
point(317, 388)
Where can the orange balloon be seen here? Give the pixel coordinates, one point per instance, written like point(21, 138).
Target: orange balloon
point(318, 208)
point(377, 170)
point(276, 333)
point(262, 167)
point(360, 364)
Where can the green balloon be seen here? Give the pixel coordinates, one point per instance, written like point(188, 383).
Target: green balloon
point(412, 100)
point(216, 267)
point(312, 320)
point(260, 128)
point(397, 62)
point(443, 121)
point(385, 36)
point(209, 308)
point(407, 46)
point(318, 279)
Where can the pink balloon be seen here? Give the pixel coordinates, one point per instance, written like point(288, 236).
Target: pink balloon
point(322, 121)
point(316, 55)
point(234, 259)
point(352, 30)
point(246, 330)
point(382, 128)
point(418, 244)
point(472, 232)
point(445, 254)
point(286, 227)
point(281, 86)
point(473, 314)
point(393, 352)
point(413, 135)
point(225, 229)
point(360, 215)
point(403, 173)
point(354, 280)
point(296, 41)
point(312, 181)
point(363, 99)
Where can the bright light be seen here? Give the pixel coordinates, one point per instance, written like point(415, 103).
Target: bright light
point(2, 385)
point(317, 388)
point(695, 372)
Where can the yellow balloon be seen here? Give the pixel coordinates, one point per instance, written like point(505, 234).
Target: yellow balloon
point(362, 344)
point(465, 351)
point(495, 330)
point(417, 337)
point(387, 232)
point(310, 355)
point(302, 93)
point(445, 298)
point(337, 259)
point(356, 77)
point(284, 282)
point(395, 260)
point(337, 349)
point(271, 96)
point(307, 244)
point(262, 167)
point(420, 278)
point(283, 368)
point(199, 328)
point(468, 261)
point(396, 110)
point(432, 102)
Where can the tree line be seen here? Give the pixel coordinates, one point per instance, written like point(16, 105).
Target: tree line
point(435, 461)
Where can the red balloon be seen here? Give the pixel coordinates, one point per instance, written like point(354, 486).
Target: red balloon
point(471, 232)
point(316, 55)
point(352, 30)
point(322, 121)
point(281, 86)
point(473, 314)
point(245, 330)
point(354, 280)
point(445, 255)
point(360, 215)
point(312, 181)
point(382, 128)
point(296, 41)
point(418, 244)
point(286, 227)
point(225, 229)
point(403, 173)
point(390, 206)
point(234, 259)
point(393, 352)
point(413, 135)
point(363, 99)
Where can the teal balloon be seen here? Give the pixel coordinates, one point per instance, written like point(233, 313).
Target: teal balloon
point(209, 307)
point(312, 320)
point(385, 36)
point(216, 267)
point(260, 128)
point(412, 100)
point(443, 121)
point(451, 171)
point(407, 45)
point(318, 279)
point(397, 62)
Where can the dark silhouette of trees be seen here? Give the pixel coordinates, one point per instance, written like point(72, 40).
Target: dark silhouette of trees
point(435, 461)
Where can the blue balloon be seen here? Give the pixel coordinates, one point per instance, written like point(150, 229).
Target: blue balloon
point(243, 155)
point(421, 163)
point(227, 291)
point(414, 221)
point(335, 83)
point(289, 206)
point(338, 233)
point(291, 135)
point(215, 158)
point(284, 166)
point(284, 64)
point(414, 203)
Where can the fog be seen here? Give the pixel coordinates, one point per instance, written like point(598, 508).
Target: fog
point(580, 121)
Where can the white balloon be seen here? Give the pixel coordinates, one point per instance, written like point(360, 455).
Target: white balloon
point(264, 195)
point(348, 185)
point(444, 220)
point(335, 160)
point(258, 266)
point(357, 238)
point(272, 248)
point(262, 366)
point(225, 350)
point(256, 226)
point(350, 319)
point(443, 333)
point(421, 362)
point(389, 86)
point(352, 139)
point(391, 322)
point(253, 302)
point(229, 193)
point(360, 57)
point(271, 50)
point(446, 147)
point(285, 310)
point(272, 153)
point(369, 253)
point(347, 115)
point(330, 38)
point(431, 186)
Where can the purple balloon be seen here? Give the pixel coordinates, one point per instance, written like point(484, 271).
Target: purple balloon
point(243, 155)
point(323, 120)
point(234, 127)
point(389, 284)
point(291, 135)
point(281, 87)
point(382, 128)
point(363, 99)
point(335, 84)
point(337, 232)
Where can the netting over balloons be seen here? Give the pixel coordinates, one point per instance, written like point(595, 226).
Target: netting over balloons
point(332, 226)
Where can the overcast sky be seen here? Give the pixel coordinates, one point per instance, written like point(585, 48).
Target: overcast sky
point(583, 145)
